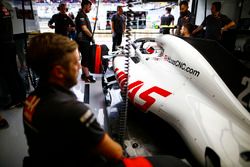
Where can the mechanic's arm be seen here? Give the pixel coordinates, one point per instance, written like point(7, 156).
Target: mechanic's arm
point(177, 31)
point(109, 148)
point(197, 29)
point(51, 26)
point(172, 23)
point(228, 26)
point(112, 27)
point(72, 25)
point(86, 30)
point(124, 26)
point(50, 23)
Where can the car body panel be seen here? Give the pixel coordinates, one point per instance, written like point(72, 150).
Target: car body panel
point(181, 87)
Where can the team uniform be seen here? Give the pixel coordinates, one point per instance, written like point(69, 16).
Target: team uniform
point(166, 20)
point(6, 30)
point(213, 26)
point(119, 22)
point(60, 130)
point(82, 39)
point(62, 22)
point(183, 19)
point(12, 80)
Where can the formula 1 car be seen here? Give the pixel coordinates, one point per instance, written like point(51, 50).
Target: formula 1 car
point(196, 86)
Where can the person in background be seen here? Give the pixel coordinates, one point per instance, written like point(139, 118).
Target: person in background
point(20, 42)
point(60, 130)
point(71, 15)
point(84, 37)
point(167, 20)
point(215, 23)
point(10, 77)
point(61, 22)
point(187, 29)
point(72, 33)
point(185, 16)
point(118, 27)
point(20, 49)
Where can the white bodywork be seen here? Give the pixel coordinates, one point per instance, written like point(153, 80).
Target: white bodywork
point(180, 86)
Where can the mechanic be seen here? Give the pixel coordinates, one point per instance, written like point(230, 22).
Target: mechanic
point(187, 29)
point(166, 20)
point(117, 27)
point(185, 16)
point(60, 130)
point(63, 23)
point(14, 93)
point(83, 37)
point(215, 24)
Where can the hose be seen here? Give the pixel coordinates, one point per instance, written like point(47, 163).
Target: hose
point(124, 91)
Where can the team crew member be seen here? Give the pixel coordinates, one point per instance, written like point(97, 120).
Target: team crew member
point(63, 23)
point(14, 90)
point(216, 23)
point(186, 30)
point(60, 130)
point(185, 16)
point(117, 27)
point(84, 37)
point(166, 20)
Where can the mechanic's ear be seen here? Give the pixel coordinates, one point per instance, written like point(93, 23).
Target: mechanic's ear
point(58, 71)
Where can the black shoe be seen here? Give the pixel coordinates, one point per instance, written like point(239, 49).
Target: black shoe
point(89, 79)
point(3, 123)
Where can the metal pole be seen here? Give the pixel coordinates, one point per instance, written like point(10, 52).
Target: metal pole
point(205, 11)
point(24, 24)
point(96, 18)
point(194, 8)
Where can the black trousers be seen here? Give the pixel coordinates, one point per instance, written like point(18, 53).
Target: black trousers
point(165, 31)
point(84, 48)
point(117, 40)
point(9, 72)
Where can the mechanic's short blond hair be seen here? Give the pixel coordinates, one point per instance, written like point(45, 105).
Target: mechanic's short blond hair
point(48, 49)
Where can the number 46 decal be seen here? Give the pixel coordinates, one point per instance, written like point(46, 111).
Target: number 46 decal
point(149, 100)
